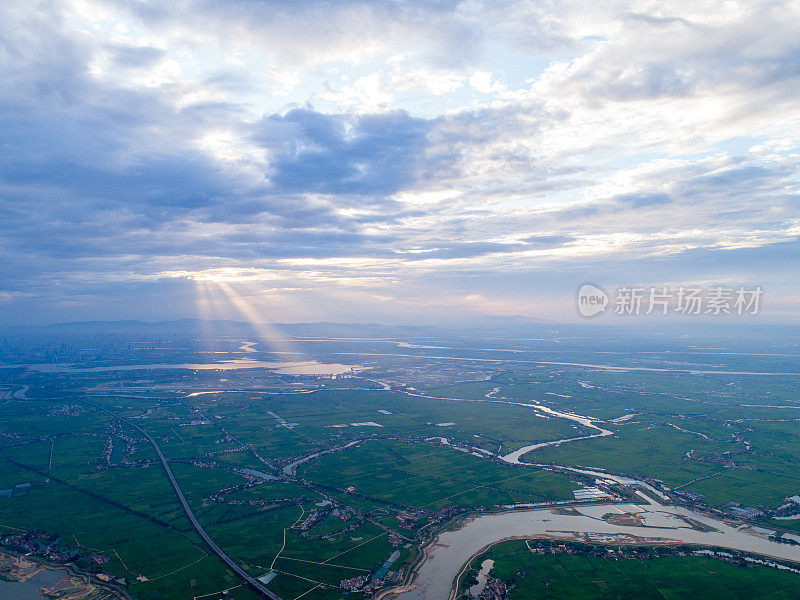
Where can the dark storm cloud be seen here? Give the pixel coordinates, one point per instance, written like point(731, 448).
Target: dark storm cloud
point(334, 154)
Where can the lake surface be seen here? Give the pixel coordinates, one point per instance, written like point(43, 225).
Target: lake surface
point(29, 590)
point(486, 568)
point(660, 524)
point(308, 367)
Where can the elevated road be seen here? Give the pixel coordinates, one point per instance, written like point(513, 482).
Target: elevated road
point(253, 583)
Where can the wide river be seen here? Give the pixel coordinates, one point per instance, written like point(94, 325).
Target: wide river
point(659, 524)
point(307, 367)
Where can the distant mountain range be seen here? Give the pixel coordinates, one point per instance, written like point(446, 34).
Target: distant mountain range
point(482, 326)
point(241, 328)
point(213, 328)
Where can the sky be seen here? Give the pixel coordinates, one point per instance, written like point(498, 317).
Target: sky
point(392, 161)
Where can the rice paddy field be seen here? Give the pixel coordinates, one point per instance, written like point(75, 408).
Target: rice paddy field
point(316, 481)
point(649, 576)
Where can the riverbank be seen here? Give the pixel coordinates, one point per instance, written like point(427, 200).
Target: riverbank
point(446, 555)
point(536, 568)
point(23, 578)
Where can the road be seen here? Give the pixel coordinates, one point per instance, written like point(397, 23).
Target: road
point(256, 585)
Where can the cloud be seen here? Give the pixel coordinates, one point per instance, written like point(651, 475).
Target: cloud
point(136, 57)
point(642, 200)
point(442, 147)
point(365, 154)
point(548, 241)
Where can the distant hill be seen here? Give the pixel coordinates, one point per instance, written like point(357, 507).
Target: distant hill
point(510, 327)
point(213, 328)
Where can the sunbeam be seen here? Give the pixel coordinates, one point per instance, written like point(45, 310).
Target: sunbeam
point(278, 342)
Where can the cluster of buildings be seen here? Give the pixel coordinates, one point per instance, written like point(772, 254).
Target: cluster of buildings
point(252, 480)
point(42, 545)
point(108, 451)
point(65, 410)
point(362, 583)
point(689, 497)
point(354, 584)
point(124, 435)
point(317, 516)
point(395, 540)
point(312, 519)
point(408, 517)
point(411, 518)
point(348, 529)
point(745, 512)
point(789, 510)
point(591, 493)
point(35, 543)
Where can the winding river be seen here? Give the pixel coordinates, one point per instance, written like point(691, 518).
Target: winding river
point(514, 457)
point(646, 523)
point(659, 525)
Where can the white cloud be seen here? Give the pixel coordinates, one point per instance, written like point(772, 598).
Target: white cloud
point(430, 141)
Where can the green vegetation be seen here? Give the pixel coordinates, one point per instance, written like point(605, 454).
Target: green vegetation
point(598, 576)
point(434, 477)
point(374, 476)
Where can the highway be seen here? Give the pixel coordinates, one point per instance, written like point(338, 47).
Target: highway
point(229, 562)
